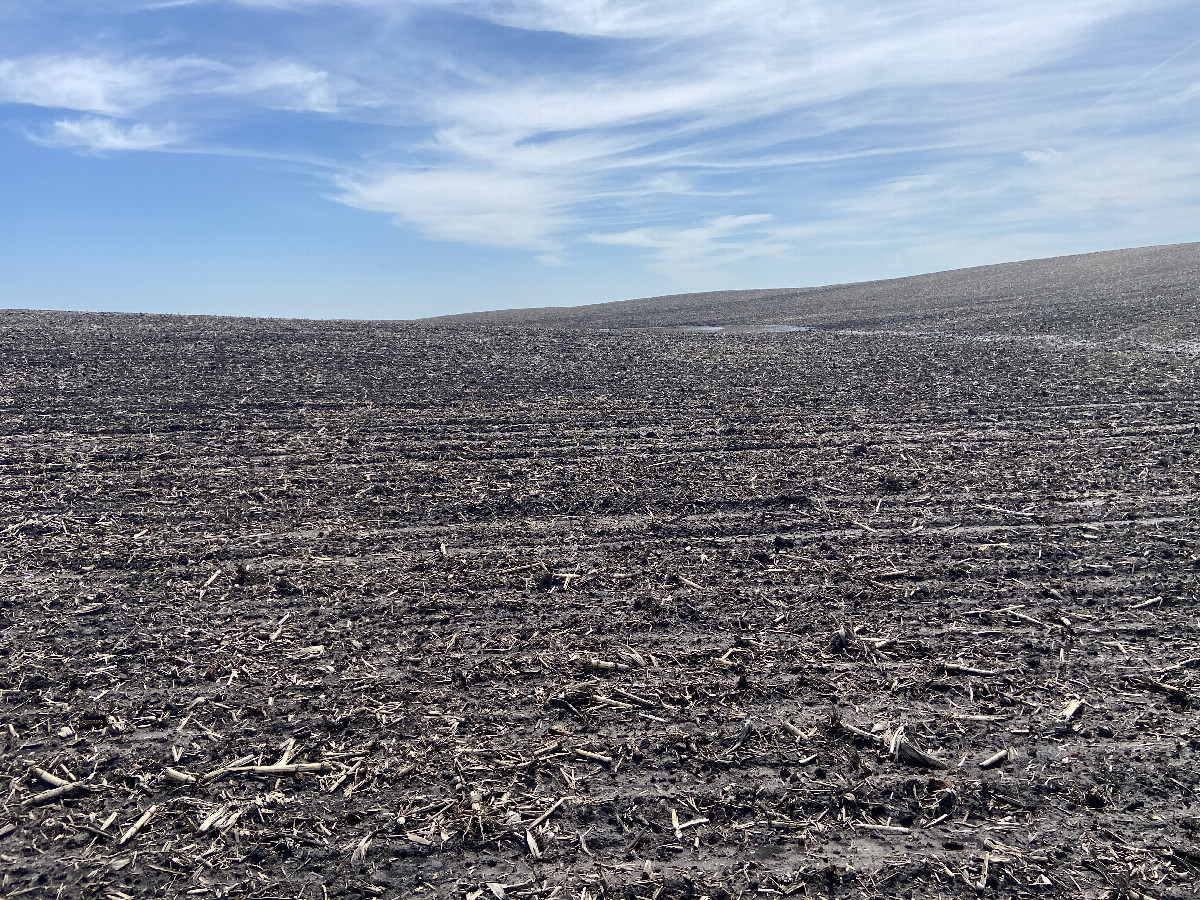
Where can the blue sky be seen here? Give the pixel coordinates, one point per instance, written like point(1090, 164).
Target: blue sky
point(401, 158)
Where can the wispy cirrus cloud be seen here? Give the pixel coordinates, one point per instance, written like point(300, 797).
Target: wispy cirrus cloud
point(699, 134)
point(100, 134)
point(117, 86)
point(498, 209)
point(106, 85)
point(260, 4)
point(775, 79)
point(685, 251)
point(284, 85)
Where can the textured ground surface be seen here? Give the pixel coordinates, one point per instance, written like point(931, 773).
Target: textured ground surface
point(621, 614)
point(1147, 294)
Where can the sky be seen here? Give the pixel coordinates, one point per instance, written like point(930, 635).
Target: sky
point(393, 159)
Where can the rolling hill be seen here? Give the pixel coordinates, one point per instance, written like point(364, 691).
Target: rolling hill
point(1146, 293)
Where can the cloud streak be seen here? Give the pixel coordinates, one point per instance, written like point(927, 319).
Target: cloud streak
point(498, 209)
point(97, 134)
point(103, 85)
point(720, 242)
point(113, 86)
point(791, 76)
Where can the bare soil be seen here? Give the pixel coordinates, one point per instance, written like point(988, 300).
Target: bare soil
point(400, 610)
point(1146, 294)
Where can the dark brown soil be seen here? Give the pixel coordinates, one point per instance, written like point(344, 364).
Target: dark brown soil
point(583, 615)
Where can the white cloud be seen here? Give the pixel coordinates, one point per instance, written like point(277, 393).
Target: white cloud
point(499, 209)
point(735, 61)
point(697, 72)
point(285, 85)
point(95, 84)
point(718, 243)
point(122, 87)
point(604, 18)
point(689, 111)
point(1102, 177)
point(1082, 194)
point(94, 133)
point(284, 5)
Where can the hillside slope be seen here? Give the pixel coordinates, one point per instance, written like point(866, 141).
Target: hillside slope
point(1149, 292)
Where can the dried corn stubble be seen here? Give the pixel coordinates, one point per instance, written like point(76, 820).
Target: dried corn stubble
point(378, 607)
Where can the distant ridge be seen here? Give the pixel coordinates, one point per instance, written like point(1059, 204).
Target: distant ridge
point(1148, 292)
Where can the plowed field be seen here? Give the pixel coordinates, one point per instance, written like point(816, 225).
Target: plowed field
point(371, 610)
